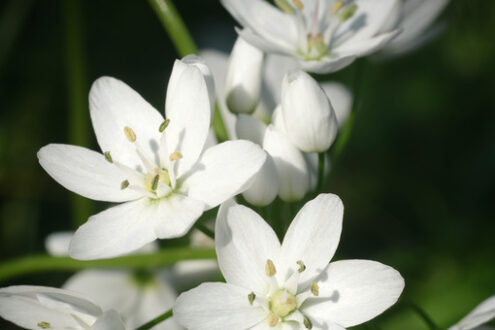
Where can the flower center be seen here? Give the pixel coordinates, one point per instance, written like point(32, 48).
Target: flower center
point(282, 303)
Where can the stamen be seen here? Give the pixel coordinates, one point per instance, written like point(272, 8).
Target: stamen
point(302, 266)
point(175, 156)
point(154, 183)
point(164, 125)
point(129, 134)
point(307, 322)
point(124, 184)
point(285, 6)
point(348, 13)
point(108, 156)
point(251, 298)
point(44, 325)
point(315, 289)
point(337, 6)
point(272, 320)
point(270, 269)
point(298, 4)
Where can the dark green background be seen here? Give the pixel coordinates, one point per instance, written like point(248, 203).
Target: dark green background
point(417, 177)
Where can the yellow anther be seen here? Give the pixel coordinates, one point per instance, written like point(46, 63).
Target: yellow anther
point(129, 134)
point(108, 156)
point(307, 322)
point(348, 13)
point(315, 289)
point(270, 269)
point(44, 325)
point(272, 320)
point(298, 4)
point(124, 184)
point(154, 183)
point(175, 156)
point(302, 266)
point(337, 6)
point(251, 297)
point(164, 125)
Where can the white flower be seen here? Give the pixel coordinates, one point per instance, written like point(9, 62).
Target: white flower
point(289, 285)
point(157, 167)
point(324, 35)
point(483, 313)
point(37, 307)
point(243, 82)
point(308, 115)
point(416, 20)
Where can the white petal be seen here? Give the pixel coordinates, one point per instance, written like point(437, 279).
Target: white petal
point(483, 313)
point(264, 20)
point(57, 244)
point(243, 84)
point(116, 231)
point(223, 171)
point(249, 128)
point(292, 171)
point(329, 64)
point(207, 75)
point(85, 172)
point(341, 98)
point(217, 306)
point(113, 106)
point(109, 320)
point(244, 242)
point(188, 108)
point(353, 292)
point(308, 114)
point(265, 43)
point(27, 306)
point(265, 186)
point(366, 46)
point(278, 120)
point(176, 214)
point(312, 237)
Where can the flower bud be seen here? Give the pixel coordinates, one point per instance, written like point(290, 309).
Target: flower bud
point(341, 99)
point(308, 114)
point(243, 83)
point(208, 76)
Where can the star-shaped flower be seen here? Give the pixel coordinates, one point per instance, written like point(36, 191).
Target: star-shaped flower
point(290, 285)
point(158, 167)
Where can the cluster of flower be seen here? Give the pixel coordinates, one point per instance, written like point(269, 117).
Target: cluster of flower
point(166, 171)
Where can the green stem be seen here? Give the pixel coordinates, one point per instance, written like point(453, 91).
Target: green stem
point(321, 172)
point(44, 263)
point(78, 121)
point(205, 230)
point(422, 314)
point(184, 44)
point(156, 320)
point(175, 27)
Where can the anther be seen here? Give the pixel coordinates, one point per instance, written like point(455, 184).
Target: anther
point(175, 156)
point(251, 297)
point(44, 325)
point(348, 13)
point(272, 320)
point(164, 125)
point(124, 184)
point(307, 322)
point(270, 269)
point(315, 289)
point(154, 183)
point(129, 134)
point(285, 6)
point(302, 266)
point(298, 4)
point(337, 6)
point(108, 156)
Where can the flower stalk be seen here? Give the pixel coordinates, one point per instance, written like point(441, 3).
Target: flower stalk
point(157, 320)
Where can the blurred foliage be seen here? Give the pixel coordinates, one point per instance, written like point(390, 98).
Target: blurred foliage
point(416, 178)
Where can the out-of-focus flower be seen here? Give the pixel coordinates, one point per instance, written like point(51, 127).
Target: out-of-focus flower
point(290, 285)
point(158, 168)
point(243, 82)
point(308, 115)
point(324, 36)
point(483, 313)
point(38, 307)
point(416, 20)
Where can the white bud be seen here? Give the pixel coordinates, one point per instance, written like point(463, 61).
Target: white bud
point(308, 114)
point(292, 171)
point(207, 75)
point(243, 83)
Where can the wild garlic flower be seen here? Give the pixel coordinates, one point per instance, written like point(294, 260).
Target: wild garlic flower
point(38, 307)
point(290, 285)
point(156, 167)
point(324, 35)
point(483, 313)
